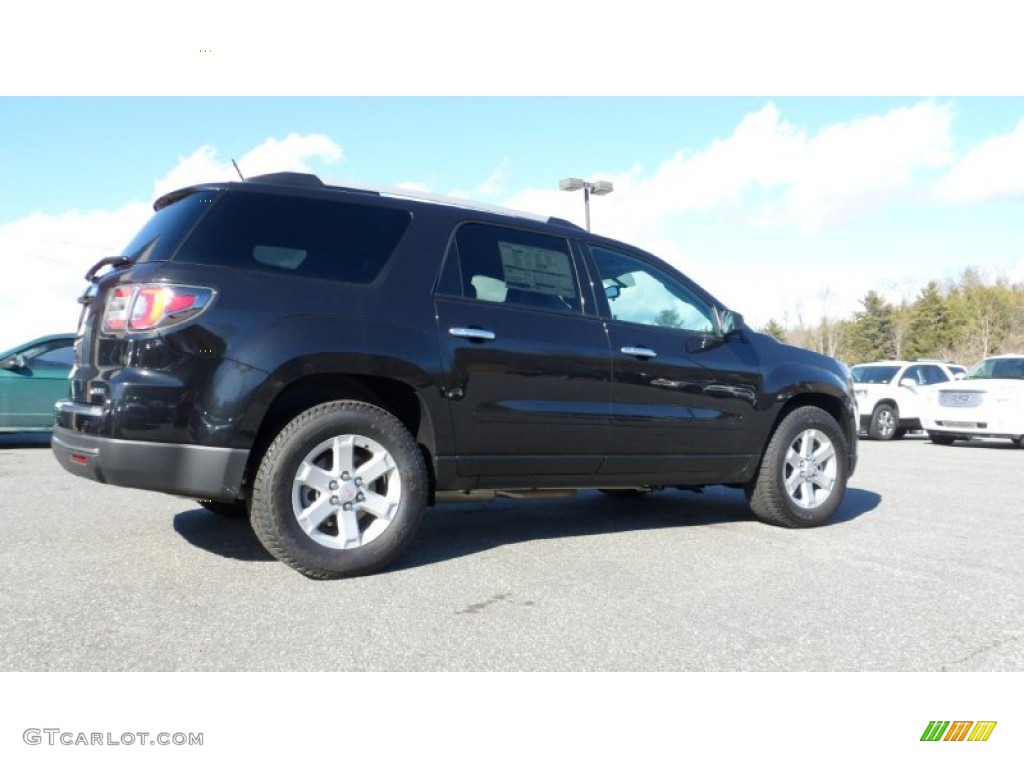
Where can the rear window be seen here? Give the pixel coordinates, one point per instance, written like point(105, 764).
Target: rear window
point(166, 228)
point(297, 236)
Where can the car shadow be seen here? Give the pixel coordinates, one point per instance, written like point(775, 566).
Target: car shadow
point(981, 443)
point(230, 537)
point(455, 530)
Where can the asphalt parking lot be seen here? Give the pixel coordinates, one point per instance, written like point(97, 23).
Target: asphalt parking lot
point(920, 572)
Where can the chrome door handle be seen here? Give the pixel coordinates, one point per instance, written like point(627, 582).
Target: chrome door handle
point(476, 334)
point(639, 352)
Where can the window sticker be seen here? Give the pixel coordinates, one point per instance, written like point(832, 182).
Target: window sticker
point(529, 268)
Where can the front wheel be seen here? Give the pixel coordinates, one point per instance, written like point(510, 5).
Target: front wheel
point(940, 439)
point(885, 421)
point(803, 472)
point(340, 491)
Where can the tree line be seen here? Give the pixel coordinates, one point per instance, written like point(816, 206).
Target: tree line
point(962, 320)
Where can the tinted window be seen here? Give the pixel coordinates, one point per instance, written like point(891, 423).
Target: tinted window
point(59, 357)
point(58, 353)
point(934, 375)
point(164, 231)
point(508, 266)
point(998, 368)
point(640, 293)
point(874, 374)
point(297, 236)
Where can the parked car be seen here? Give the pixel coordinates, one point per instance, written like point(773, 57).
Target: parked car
point(988, 402)
point(334, 360)
point(890, 393)
point(33, 376)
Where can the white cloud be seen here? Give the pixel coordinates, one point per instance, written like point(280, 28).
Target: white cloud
point(493, 184)
point(49, 255)
point(289, 154)
point(993, 170)
point(782, 175)
point(849, 171)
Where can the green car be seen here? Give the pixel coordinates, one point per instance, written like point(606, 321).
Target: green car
point(33, 377)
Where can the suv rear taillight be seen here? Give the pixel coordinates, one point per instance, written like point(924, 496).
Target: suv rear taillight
point(148, 306)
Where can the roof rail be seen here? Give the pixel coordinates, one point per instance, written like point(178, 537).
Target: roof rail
point(312, 180)
point(430, 197)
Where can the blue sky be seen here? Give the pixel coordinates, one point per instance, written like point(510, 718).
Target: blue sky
point(784, 207)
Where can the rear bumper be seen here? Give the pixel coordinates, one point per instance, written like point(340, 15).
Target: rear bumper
point(196, 471)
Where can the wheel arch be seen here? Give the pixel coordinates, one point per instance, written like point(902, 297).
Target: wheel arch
point(830, 404)
point(398, 398)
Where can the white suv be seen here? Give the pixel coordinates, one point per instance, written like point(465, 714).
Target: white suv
point(890, 393)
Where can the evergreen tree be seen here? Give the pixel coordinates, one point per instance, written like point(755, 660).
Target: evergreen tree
point(774, 328)
point(932, 332)
point(870, 335)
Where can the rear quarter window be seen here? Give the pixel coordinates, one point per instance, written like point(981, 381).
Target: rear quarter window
point(297, 236)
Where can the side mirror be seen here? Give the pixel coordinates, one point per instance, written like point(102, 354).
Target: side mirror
point(959, 376)
point(612, 291)
point(907, 381)
point(14, 362)
point(730, 322)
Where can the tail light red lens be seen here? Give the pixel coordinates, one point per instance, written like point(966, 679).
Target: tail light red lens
point(148, 306)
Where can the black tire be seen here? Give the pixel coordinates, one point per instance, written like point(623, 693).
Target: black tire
point(314, 469)
point(885, 422)
point(941, 439)
point(225, 508)
point(808, 440)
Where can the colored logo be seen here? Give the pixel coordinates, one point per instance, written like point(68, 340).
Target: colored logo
point(958, 730)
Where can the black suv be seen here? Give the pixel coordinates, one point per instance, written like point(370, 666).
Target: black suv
point(333, 360)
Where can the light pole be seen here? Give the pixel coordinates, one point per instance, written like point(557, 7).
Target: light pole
point(597, 187)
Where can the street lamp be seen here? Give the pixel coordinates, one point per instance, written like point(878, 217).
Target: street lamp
point(597, 187)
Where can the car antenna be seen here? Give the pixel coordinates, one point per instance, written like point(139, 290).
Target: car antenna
point(236, 168)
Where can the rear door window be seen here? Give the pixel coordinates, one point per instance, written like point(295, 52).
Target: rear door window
point(308, 237)
point(508, 266)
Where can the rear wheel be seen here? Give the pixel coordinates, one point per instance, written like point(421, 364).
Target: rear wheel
point(803, 472)
point(340, 491)
point(885, 420)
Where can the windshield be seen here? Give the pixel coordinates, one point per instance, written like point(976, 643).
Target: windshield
point(874, 374)
point(998, 368)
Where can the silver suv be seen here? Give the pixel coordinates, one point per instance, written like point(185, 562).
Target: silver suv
point(890, 393)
